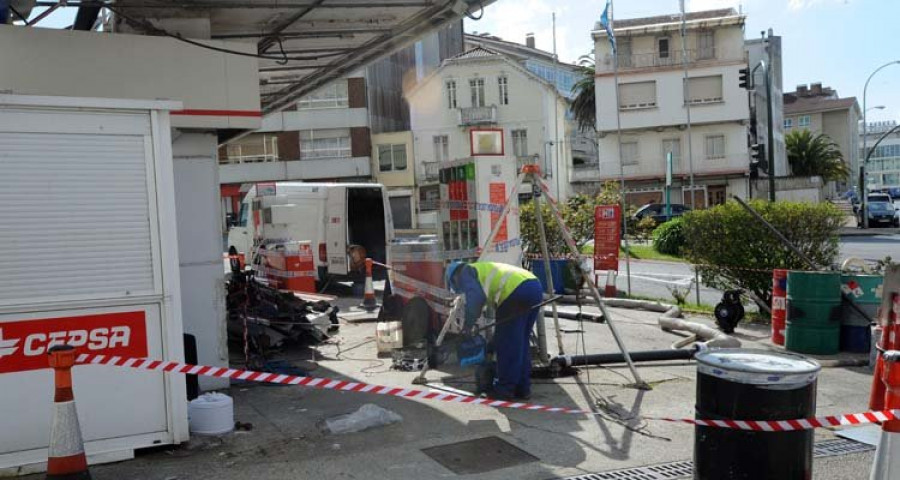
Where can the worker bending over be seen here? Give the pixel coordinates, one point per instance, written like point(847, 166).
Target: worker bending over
point(514, 294)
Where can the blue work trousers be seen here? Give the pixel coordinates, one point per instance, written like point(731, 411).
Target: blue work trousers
point(515, 320)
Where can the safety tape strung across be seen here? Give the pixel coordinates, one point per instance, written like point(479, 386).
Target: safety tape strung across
point(468, 205)
point(410, 393)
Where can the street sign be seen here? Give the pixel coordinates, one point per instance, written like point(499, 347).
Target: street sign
point(24, 344)
point(607, 232)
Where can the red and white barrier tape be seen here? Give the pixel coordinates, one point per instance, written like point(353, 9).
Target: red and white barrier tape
point(410, 393)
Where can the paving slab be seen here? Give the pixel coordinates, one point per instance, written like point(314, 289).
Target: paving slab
point(287, 440)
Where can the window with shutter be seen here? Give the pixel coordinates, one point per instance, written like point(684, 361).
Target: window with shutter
point(705, 89)
point(637, 95)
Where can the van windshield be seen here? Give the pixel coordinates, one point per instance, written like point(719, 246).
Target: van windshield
point(242, 217)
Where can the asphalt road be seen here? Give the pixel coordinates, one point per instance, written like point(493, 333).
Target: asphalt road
point(655, 279)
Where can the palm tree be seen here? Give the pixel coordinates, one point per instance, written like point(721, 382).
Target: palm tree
point(584, 106)
point(810, 154)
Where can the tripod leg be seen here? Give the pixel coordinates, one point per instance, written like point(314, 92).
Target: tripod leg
point(596, 293)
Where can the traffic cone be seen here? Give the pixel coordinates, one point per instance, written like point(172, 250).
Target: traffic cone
point(66, 459)
point(890, 340)
point(887, 458)
point(610, 289)
point(369, 303)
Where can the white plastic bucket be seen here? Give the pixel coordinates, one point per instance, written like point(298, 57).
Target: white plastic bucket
point(211, 414)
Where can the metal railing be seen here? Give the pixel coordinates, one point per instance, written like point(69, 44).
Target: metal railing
point(653, 59)
point(478, 115)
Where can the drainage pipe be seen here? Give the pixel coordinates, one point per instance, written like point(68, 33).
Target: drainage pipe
point(604, 358)
point(671, 320)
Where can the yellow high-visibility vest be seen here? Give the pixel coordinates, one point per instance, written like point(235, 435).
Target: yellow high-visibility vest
point(500, 279)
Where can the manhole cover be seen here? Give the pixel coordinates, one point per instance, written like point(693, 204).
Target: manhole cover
point(840, 446)
point(479, 456)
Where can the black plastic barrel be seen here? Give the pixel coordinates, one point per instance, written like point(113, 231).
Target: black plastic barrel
point(744, 384)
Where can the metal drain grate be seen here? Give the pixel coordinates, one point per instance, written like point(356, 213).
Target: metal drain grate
point(840, 446)
point(675, 470)
point(663, 471)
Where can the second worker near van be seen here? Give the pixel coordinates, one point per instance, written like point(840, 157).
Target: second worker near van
point(514, 294)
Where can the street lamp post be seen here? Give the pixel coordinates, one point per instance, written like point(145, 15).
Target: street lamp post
point(862, 166)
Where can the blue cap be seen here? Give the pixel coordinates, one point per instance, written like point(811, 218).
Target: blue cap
point(448, 274)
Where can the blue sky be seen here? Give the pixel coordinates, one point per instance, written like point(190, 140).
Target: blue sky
point(836, 42)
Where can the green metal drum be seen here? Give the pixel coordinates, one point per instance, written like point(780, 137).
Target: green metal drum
point(813, 312)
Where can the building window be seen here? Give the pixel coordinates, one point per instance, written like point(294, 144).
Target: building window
point(662, 44)
point(706, 45)
point(788, 123)
point(623, 51)
point(317, 144)
point(392, 157)
point(673, 146)
point(476, 86)
point(451, 94)
point(429, 197)
point(441, 148)
point(715, 146)
point(715, 195)
point(503, 86)
point(637, 95)
point(803, 121)
point(629, 153)
point(520, 143)
point(401, 211)
point(705, 89)
point(252, 149)
point(333, 95)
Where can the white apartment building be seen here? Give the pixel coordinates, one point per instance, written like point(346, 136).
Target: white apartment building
point(653, 109)
point(883, 167)
point(483, 89)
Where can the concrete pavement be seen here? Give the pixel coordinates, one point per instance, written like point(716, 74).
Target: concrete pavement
point(287, 442)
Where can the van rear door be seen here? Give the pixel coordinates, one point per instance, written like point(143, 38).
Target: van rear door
point(336, 230)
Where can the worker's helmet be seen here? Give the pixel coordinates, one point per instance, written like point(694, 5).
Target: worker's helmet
point(448, 274)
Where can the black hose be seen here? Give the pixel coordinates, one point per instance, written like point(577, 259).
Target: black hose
point(605, 358)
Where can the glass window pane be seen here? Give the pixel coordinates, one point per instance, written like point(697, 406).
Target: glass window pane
point(399, 154)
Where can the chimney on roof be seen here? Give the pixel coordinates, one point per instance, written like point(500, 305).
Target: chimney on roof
point(815, 88)
point(802, 91)
point(529, 40)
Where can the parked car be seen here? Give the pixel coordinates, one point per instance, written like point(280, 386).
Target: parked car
point(657, 211)
point(881, 214)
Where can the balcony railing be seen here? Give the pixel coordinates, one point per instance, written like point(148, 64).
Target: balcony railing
point(469, 116)
point(653, 59)
point(429, 171)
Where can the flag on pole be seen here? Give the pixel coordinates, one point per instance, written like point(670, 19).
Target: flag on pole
point(607, 25)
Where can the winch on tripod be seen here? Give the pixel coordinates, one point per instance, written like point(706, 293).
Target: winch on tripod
point(729, 311)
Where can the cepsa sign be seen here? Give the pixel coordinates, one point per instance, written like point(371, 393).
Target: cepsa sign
point(24, 344)
point(607, 232)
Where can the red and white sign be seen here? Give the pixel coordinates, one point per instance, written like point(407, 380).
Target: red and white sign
point(607, 232)
point(24, 344)
point(497, 195)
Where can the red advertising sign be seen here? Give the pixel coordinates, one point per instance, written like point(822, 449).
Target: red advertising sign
point(607, 232)
point(24, 344)
point(497, 195)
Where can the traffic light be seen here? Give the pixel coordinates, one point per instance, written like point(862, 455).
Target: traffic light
point(744, 78)
point(759, 162)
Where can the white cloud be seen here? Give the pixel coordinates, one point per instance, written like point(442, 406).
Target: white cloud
point(697, 5)
point(802, 4)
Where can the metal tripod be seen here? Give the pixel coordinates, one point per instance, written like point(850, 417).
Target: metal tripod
point(532, 173)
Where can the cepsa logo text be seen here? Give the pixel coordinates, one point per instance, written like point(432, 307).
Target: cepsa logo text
point(24, 344)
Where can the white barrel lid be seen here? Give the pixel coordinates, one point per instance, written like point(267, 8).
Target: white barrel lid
point(758, 367)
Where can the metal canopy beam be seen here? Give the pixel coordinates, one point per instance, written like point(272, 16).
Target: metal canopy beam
point(332, 32)
point(197, 5)
point(278, 29)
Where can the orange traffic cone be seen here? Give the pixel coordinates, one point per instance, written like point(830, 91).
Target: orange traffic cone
point(887, 458)
point(66, 459)
point(369, 303)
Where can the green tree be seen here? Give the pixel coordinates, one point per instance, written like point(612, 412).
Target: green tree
point(810, 154)
point(584, 105)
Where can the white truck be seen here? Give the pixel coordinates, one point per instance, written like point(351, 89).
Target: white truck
point(337, 218)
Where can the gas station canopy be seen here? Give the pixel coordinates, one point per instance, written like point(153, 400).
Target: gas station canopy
point(302, 44)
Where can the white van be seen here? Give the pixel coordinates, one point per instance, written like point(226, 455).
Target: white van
point(333, 216)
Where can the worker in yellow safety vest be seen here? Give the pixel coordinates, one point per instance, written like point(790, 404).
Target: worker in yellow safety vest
point(514, 294)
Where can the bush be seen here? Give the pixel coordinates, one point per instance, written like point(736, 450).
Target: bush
point(642, 229)
point(668, 238)
point(733, 249)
